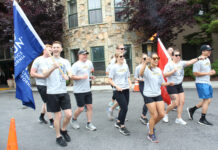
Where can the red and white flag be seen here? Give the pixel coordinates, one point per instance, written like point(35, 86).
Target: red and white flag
point(164, 58)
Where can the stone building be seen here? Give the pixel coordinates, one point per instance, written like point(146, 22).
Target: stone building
point(95, 25)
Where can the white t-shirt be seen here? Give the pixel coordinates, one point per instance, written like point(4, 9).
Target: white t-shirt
point(137, 72)
point(56, 84)
point(79, 69)
point(202, 66)
point(38, 65)
point(178, 76)
point(120, 74)
point(153, 80)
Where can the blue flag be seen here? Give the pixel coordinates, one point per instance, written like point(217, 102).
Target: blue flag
point(27, 46)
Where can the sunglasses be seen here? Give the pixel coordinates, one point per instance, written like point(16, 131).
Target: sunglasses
point(121, 56)
point(156, 58)
point(144, 58)
point(122, 48)
point(178, 55)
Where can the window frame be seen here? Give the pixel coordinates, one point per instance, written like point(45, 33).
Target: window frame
point(120, 7)
point(72, 14)
point(95, 10)
point(130, 57)
point(98, 61)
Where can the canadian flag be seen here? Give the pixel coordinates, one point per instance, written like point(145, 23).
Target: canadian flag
point(164, 58)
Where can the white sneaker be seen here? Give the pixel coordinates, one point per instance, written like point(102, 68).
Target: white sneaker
point(91, 127)
point(74, 124)
point(166, 119)
point(180, 121)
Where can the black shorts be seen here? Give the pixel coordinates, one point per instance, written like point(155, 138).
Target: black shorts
point(83, 98)
point(176, 89)
point(42, 91)
point(58, 102)
point(152, 99)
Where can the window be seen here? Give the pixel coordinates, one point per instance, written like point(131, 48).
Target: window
point(95, 12)
point(144, 48)
point(72, 13)
point(74, 55)
point(119, 6)
point(128, 57)
point(98, 60)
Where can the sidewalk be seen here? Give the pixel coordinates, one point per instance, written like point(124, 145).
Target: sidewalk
point(186, 85)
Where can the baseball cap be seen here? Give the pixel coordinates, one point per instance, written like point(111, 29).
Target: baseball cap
point(206, 47)
point(83, 51)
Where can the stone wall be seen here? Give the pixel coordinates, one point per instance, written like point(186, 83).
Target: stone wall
point(107, 34)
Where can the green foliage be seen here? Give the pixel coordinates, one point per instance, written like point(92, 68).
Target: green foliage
point(215, 67)
point(188, 72)
point(213, 27)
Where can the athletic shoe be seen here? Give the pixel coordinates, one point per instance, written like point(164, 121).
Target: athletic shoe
point(118, 108)
point(165, 118)
point(190, 113)
point(204, 122)
point(111, 104)
point(124, 131)
point(65, 135)
point(152, 138)
point(143, 120)
point(180, 121)
point(91, 127)
point(60, 141)
point(74, 124)
point(51, 125)
point(110, 114)
point(42, 120)
point(117, 125)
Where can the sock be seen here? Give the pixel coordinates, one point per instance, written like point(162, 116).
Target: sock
point(51, 120)
point(203, 116)
point(42, 115)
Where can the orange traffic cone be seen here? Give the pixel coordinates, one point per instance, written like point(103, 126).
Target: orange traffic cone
point(136, 86)
point(12, 138)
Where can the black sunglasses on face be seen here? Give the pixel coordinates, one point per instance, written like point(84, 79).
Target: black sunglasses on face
point(121, 56)
point(144, 58)
point(178, 55)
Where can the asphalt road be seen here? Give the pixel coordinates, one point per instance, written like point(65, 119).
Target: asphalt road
point(32, 135)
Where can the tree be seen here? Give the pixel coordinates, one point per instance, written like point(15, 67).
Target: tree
point(207, 21)
point(45, 16)
point(161, 16)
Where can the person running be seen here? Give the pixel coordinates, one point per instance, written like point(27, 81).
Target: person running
point(137, 77)
point(202, 71)
point(153, 80)
point(81, 73)
point(119, 78)
point(114, 104)
point(174, 72)
point(37, 73)
point(58, 98)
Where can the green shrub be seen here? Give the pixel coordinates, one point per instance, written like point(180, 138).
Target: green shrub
point(214, 66)
point(188, 72)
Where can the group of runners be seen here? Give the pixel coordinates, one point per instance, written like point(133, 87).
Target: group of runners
point(51, 72)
